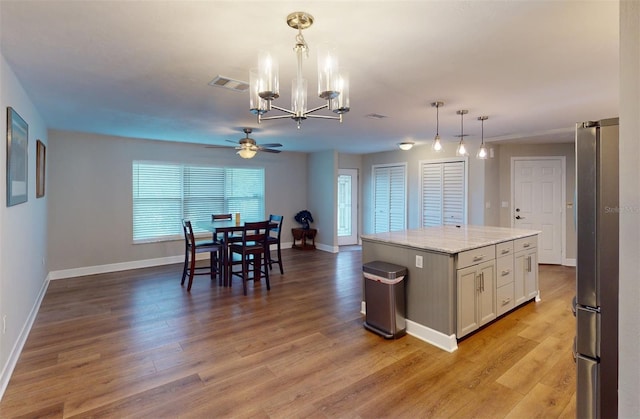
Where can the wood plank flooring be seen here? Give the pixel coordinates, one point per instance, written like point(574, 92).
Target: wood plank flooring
point(136, 344)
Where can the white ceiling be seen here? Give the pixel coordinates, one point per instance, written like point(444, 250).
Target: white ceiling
point(142, 68)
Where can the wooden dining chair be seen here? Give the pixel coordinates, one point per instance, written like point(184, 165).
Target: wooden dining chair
point(273, 238)
point(220, 217)
point(192, 247)
point(253, 252)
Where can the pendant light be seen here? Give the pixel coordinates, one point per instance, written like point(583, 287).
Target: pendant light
point(437, 146)
point(482, 153)
point(462, 150)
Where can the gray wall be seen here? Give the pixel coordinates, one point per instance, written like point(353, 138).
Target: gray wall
point(413, 157)
point(629, 336)
point(90, 204)
point(507, 151)
point(23, 231)
point(322, 195)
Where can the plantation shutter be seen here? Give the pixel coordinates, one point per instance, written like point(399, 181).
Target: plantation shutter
point(389, 198)
point(443, 193)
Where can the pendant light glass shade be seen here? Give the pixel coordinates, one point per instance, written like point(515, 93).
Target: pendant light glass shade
point(437, 145)
point(482, 152)
point(462, 150)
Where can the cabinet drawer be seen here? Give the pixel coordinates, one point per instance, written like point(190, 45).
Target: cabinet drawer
point(504, 270)
point(525, 243)
point(505, 248)
point(504, 299)
point(475, 256)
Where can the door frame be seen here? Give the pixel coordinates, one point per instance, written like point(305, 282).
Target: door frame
point(355, 204)
point(563, 199)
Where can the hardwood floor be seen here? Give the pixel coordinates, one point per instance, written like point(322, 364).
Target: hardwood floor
point(136, 344)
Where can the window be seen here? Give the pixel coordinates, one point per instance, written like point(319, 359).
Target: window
point(444, 193)
point(164, 193)
point(389, 198)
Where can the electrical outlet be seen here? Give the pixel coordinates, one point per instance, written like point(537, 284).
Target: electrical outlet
point(418, 261)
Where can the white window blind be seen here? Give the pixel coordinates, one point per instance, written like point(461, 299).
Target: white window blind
point(389, 198)
point(164, 193)
point(443, 193)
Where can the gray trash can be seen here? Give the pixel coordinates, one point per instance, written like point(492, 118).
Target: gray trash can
point(384, 296)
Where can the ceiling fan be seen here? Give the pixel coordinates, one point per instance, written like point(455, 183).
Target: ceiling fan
point(247, 147)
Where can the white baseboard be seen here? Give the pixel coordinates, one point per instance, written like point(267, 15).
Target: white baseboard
point(327, 248)
point(122, 266)
point(448, 343)
point(569, 262)
point(8, 368)
point(125, 266)
point(426, 334)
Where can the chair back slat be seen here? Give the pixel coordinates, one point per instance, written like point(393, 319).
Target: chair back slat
point(221, 217)
point(275, 230)
point(255, 231)
point(187, 228)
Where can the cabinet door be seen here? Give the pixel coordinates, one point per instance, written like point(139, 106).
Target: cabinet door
point(487, 294)
point(467, 310)
point(531, 275)
point(526, 275)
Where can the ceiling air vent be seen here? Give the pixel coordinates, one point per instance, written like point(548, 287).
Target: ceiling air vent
point(375, 116)
point(231, 84)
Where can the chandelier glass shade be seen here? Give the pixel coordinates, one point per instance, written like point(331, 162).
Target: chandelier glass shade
point(333, 85)
point(462, 150)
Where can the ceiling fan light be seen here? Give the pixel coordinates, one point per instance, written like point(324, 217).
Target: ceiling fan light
point(406, 145)
point(246, 153)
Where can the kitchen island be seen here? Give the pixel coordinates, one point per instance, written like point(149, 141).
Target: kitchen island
point(459, 277)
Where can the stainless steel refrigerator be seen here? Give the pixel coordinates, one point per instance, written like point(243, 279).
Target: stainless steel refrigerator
point(596, 302)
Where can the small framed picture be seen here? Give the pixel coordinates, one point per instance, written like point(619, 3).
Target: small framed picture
point(17, 158)
point(41, 161)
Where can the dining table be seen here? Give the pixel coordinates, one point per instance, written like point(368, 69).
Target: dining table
point(227, 229)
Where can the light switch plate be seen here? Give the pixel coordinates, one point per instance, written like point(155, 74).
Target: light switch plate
point(418, 261)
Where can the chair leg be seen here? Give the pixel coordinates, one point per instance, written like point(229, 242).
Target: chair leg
point(266, 272)
point(245, 273)
point(280, 260)
point(184, 268)
point(192, 269)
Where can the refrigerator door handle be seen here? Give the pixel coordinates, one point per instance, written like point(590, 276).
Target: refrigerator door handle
point(588, 324)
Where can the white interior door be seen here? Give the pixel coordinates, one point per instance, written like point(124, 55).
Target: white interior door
point(347, 207)
point(537, 203)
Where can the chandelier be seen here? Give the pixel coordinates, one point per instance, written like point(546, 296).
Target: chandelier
point(333, 86)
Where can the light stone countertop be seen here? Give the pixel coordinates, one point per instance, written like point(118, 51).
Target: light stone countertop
point(450, 239)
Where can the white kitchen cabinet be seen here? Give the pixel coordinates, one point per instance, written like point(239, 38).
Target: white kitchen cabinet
point(525, 270)
point(476, 296)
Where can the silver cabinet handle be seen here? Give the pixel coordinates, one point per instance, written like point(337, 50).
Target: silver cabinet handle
point(482, 276)
point(529, 264)
point(477, 258)
point(505, 251)
point(506, 272)
point(506, 301)
point(525, 245)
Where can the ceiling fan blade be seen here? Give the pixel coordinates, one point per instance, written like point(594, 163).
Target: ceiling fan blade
point(271, 145)
point(231, 141)
point(218, 146)
point(269, 150)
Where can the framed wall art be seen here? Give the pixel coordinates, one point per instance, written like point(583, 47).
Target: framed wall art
point(41, 161)
point(17, 158)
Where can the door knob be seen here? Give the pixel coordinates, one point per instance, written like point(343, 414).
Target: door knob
point(519, 217)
